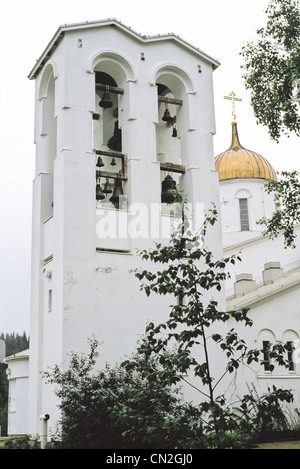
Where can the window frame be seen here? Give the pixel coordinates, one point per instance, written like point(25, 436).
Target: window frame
point(266, 361)
point(290, 350)
point(244, 226)
point(50, 300)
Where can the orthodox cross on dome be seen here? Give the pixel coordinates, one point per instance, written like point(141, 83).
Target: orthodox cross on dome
point(232, 97)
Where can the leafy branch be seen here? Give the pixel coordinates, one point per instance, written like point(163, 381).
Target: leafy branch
point(286, 192)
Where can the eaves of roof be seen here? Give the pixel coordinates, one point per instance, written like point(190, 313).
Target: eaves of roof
point(17, 356)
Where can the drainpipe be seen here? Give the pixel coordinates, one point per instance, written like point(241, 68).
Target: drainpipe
point(43, 437)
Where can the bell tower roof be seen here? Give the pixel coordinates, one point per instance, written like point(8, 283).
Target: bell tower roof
point(62, 30)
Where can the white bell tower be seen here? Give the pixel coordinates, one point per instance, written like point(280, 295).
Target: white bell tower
point(90, 149)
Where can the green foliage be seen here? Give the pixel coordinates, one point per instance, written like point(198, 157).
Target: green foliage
point(113, 408)
point(122, 408)
point(3, 417)
point(189, 271)
point(286, 193)
point(15, 343)
point(272, 73)
point(272, 69)
point(25, 442)
point(264, 413)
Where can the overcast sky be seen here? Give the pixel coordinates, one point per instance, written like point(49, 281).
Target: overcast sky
point(217, 27)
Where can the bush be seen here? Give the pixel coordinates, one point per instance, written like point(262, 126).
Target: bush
point(21, 443)
point(135, 407)
point(115, 408)
point(264, 415)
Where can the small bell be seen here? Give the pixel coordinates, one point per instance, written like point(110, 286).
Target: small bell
point(99, 163)
point(174, 134)
point(106, 102)
point(167, 116)
point(107, 188)
point(99, 193)
point(118, 192)
point(113, 162)
point(168, 187)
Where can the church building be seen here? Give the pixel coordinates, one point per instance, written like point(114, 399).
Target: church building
point(121, 120)
point(267, 280)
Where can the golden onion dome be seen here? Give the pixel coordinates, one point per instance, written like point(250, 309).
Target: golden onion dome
point(238, 163)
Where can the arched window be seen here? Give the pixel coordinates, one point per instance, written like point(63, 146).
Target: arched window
point(265, 339)
point(107, 134)
point(48, 137)
point(244, 214)
point(111, 174)
point(168, 145)
point(171, 126)
point(290, 338)
point(167, 137)
point(243, 197)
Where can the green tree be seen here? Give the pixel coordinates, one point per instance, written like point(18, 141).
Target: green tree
point(272, 74)
point(189, 272)
point(272, 69)
point(15, 343)
point(286, 192)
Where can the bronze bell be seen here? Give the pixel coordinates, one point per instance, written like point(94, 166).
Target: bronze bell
point(113, 162)
point(99, 193)
point(107, 188)
point(118, 192)
point(174, 133)
point(115, 142)
point(167, 116)
point(106, 102)
point(168, 187)
point(99, 163)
